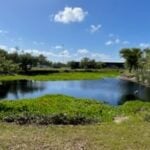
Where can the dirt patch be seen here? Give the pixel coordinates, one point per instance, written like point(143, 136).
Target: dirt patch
point(121, 119)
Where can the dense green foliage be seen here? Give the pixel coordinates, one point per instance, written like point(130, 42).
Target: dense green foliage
point(143, 73)
point(59, 109)
point(13, 62)
point(139, 61)
point(7, 66)
point(132, 57)
point(54, 109)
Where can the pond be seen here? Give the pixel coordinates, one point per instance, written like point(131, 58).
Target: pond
point(110, 90)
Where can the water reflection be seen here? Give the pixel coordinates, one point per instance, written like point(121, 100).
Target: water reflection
point(18, 89)
point(112, 91)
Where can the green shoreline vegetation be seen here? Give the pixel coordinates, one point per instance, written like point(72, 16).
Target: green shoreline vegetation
point(60, 109)
point(63, 76)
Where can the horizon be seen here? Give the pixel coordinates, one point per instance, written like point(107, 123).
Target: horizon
point(70, 30)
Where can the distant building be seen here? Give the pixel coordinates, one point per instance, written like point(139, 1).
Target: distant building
point(119, 65)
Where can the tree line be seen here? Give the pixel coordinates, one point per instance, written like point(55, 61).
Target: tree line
point(24, 62)
point(14, 62)
point(136, 59)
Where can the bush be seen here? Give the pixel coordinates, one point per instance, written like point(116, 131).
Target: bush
point(58, 119)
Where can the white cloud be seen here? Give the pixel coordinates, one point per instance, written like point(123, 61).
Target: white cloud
point(113, 39)
point(95, 28)
point(63, 55)
point(109, 43)
point(11, 50)
point(82, 51)
point(3, 47)
point(70, 15)
point(144, 45)
point(100, 57)
point(58, 47)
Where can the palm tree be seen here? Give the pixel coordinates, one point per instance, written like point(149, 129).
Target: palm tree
point(132, 57)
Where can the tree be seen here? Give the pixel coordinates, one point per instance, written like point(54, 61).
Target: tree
point(7, 66)
point(100, 65)
point(92, 64)
point(143, 74)
point(58, 65)
point(132, 57)
point(145, 61)
point(3, 52)
point(14, 57)
point(84, 63)
point(74, 65)
point(42, 61)
point(27, 61)
point(87, 63)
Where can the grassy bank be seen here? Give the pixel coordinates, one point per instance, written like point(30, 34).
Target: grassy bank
point(59, 109)
point(107, 136)
point(63, 76)
point(102, 132)
point(56, 105)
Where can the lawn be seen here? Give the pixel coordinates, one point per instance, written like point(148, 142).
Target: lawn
point(106, 136)
point(63, 76)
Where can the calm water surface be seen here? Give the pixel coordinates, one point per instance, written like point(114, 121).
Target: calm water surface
point(110, 90)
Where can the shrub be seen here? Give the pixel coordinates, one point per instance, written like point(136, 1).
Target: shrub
point(58, 119)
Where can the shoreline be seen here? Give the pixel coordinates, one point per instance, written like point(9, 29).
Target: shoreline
point(123, 77)
point(133, 79)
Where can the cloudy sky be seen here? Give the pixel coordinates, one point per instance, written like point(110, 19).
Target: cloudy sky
point(72, 29)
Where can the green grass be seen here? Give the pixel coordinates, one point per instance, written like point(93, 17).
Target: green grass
point(55, 104)
point(59, 104)
point(63, 76)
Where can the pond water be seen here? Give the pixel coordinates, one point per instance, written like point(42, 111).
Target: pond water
point(110, 90)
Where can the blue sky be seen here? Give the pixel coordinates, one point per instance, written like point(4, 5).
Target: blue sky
point(72, 29)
